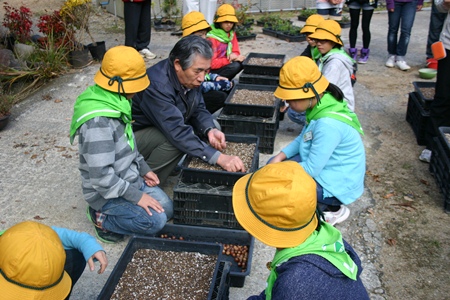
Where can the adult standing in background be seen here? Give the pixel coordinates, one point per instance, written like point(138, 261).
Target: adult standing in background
point(437, 19)
point(401, 14)
point(355, 7)
point(138, 26)
point(330, 9)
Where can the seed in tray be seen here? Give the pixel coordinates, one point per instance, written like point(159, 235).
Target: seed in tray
point(253, 97)
point(428, 93)
point(244, 151)
point(268, 62)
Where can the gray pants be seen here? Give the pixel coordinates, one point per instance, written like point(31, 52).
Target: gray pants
point(160, 155)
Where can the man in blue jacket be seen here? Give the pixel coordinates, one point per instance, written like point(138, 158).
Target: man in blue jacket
point(277, 205)
point(170, 117)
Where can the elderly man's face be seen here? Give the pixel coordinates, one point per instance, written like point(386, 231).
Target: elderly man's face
point(194, 76)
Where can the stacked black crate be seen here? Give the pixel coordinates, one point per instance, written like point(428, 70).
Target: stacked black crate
point(417, 113)
point(203, 209)
point(440, 164)
point(260, 75)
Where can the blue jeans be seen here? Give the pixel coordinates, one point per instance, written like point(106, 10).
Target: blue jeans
point(404, 13)
point(299, 118)
point(127, 218)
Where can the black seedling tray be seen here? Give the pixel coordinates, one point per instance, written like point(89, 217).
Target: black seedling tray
point(231, 108)
point(263, 70)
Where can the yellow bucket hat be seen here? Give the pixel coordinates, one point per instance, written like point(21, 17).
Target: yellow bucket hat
point(122, 71)
point(225, 13)
point(32, 261)
point(300, 78)
point(192, 22)
point(277, 204)
point(328, 30)
point(311, 23)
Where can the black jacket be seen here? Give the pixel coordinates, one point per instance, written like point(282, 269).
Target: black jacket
point(165, 105)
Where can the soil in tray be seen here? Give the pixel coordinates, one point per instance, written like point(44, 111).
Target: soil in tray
point(253, 97)
point(154, 274)
point(239, 253)
point(268, 62)
point(243, 150)
point(428, 93)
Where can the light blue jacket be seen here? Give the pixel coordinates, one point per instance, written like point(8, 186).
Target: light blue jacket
point(82, 241)
point(333, 154)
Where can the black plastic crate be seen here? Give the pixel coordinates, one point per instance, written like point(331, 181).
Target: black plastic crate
point(136, 243)
point(418, 118)
point(444, 141)
point(264, 128)
point(203, 204)
point(440, 167)
point(265, 111)
point(223, 282)
point(259, 79)
point(425, 100)
point(222, 177)
point(263, 70)
point(217, 235)
point(292, 38)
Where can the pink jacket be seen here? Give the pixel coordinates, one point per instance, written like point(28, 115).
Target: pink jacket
point(219, 58)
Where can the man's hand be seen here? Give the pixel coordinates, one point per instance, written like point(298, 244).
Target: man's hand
point(216, 139)
point(231, 163)
point(148, 201)
point(419, 8)
point(151, 179)
point(101, 257)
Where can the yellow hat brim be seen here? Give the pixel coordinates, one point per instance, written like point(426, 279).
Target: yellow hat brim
point(10, 291)
point(321, 34)
point(226, 18)
point(267, 234)
point(202, 25)
point(295, 93)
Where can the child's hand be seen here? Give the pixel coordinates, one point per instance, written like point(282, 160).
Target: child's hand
point(101, 257)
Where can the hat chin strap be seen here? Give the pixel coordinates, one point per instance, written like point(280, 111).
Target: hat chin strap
point(120, 81)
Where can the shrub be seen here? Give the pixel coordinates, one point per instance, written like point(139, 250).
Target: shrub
point(18, 21)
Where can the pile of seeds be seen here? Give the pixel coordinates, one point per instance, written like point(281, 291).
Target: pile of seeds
point(268, 62)
point(239, 253)
point(253, 97)
point(244, 151)
point(428, 93)
point(154, 274)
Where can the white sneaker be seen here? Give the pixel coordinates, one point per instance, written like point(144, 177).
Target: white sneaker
point(334, 217)
point(425, 156)
point(390, 63)
point(147, 54)
point(402, 65)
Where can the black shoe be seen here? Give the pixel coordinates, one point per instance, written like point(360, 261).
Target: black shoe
point(102, 234)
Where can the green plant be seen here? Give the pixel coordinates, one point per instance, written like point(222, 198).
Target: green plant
point(307, 12)
point(345, 18)
point(6, 103)
point(243, 31)
point(268, 19)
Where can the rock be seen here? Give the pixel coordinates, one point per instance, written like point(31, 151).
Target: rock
point(22, 51)
point(8, 60)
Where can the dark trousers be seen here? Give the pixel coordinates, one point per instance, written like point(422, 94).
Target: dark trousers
point(137, 24)
point(434, 30)
point(440, 106)
point(229, 71)
point(214, 100)
point(74, 266)
point(365, 26)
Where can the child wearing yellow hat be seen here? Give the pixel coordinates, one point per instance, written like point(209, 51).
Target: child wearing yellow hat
point(117, 183)
point(329, 147)
point(335, 64)
point(277, 205)
point(215, 88)
point(42, 262)
point(227, 59)
point(311, 52)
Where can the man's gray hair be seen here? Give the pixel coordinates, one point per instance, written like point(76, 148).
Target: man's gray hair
point(187, 48)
